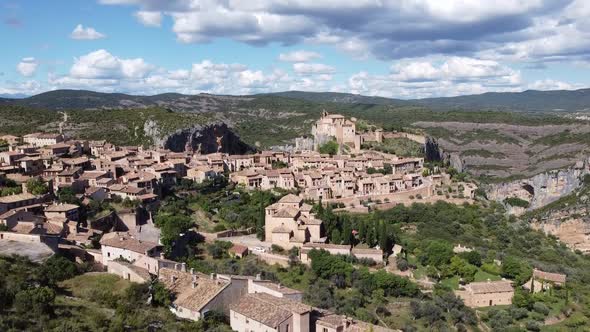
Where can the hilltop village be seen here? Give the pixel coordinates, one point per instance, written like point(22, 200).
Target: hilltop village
point(55, 192)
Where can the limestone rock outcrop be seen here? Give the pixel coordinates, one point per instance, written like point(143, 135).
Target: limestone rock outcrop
point(206, 139)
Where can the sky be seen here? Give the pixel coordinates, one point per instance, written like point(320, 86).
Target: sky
point(392, 48)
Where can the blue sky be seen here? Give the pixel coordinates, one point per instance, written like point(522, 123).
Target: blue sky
point(393, 48)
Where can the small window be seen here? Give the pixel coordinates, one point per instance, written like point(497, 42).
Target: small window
point(325, 329)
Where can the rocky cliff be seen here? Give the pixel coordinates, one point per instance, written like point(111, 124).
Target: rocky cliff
point(206, 139)
point(435, 152)
point(540, 189)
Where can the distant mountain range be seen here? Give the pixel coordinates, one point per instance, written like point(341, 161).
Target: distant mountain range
point(530, 100)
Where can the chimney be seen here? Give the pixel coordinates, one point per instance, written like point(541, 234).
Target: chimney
point(162, 255)
point(183, 267)
point(279, 286)
point(176, 266)
point(172, 278)
point(193, 285)
point(192, 271)
point(258, 276)
point(212, 275)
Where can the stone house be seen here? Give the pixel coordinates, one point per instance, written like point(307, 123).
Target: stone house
point(41, 139)
point(196, 294)
point(238, 251)
point(277, 290)
point(335, 126)
point(10, 157)
point(19, 201)
point(486, 293)
point(329, 322)
point(261, 312)
point(123, 246)
point(62, 211)
point(369, 253)
point(544, 280)
point(289, 223)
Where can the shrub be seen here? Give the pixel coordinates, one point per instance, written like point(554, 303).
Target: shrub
point(402, 264)
point(517, 202)
point(541, 308)
point(277, 249)
point(219, 228)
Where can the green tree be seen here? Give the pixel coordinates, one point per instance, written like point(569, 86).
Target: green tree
point(518, 270)
point(336, 237)
point(58, 268)
point(346, 232)
point(171, 226)
point(218, 249)
point(36, 186)
point(472, 257)
point(320, 294)
point(161, 295)
point(437, 253)
point(67, 195)
point(330, 148)
point(36, 301)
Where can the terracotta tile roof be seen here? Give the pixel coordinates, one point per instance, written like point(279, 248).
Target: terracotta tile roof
point(239, 249)
point(126, 241)
point(288, 212)
point(554, 277)
point(490, 287)
point(277, 287)
point(345, 324)
point(16, 198)
point(290, 198)
point(310, 221)
point(281, 229)
point(193, 298)
point(267, 309)
point(325, 246)
point(60, 207)
point(367, 251)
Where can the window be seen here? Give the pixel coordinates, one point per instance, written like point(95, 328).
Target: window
point(287, 328)
point(325, 329)
point(108, 254)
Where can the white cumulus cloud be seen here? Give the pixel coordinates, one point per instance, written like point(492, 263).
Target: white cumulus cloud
point(103, 65)
point(85, 33)
point(299, 56)
point(312, 68)
point(149, 18)
point(27, 66)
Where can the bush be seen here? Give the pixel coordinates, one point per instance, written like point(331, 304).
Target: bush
point(35, 301)
point(330, 148)
point(402, 264)
point(491, 268)
point(219, 228)
point(533, 326)
point(541, 308)
point(277, 249)
point(218, 249)
point(518, 202)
